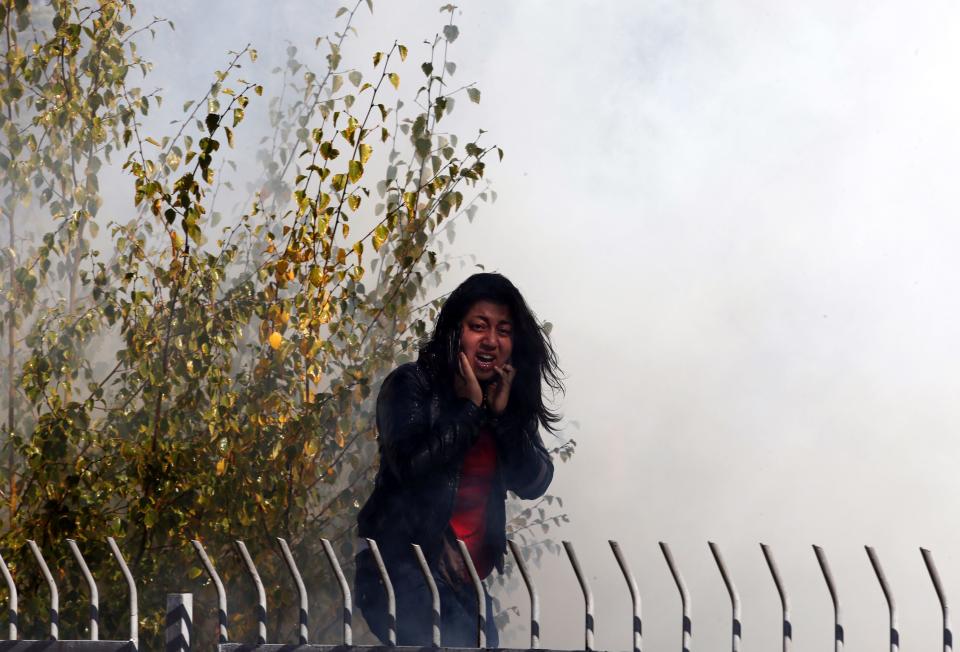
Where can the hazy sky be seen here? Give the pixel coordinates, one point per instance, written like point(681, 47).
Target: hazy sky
point(741, 218)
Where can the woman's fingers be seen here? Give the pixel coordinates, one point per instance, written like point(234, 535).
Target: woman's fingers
point(472, 389)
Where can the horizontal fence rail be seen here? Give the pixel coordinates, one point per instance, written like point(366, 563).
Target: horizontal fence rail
point(179, 621)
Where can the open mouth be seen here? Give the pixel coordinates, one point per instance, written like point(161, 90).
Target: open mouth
point(485, 361)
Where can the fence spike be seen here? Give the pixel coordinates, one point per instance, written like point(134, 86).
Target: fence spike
point(684, 597)
point(94, 594)
point(132, 587)
point(587, 596)
point(178, 634)
point(634, 594)
point(732, 590)
point(261, 594)
point(888, 594)
point(388, 587)
point(221, 592)
point(12, 603)
point(831, 587)
point(434, 594)
point(784, 598)
point(54, 593)
point(301, 589)
point(478, 589)
point(941, 596)
point(532, 591)
point(344, 592)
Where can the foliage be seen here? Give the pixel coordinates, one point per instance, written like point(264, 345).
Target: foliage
point(201, 380)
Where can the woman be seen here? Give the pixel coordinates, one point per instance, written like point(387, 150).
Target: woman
point(457, 430)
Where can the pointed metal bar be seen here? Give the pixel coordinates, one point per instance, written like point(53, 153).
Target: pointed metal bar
point(344, 592)
point(732, 590)
point(388, 588)
point(634, 594)
point(888, 594)
point(837, 611)
point(941, 596)
point(684, 596)
point(92, 585)
point(532, 591)
point(784, 599)
point(179, 623)
point(54, 593)
point(481, 595)
point(261, 594)
point(587, 596)
point(132, 588)
point(434, 593)
point(301, 589)
point(221, 592)
point(12, 602)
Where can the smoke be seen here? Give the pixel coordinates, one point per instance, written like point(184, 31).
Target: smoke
point(738, 216)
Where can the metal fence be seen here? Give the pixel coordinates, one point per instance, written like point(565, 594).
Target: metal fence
point(179, 608)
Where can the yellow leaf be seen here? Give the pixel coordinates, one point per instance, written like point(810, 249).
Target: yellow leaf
point(379, 236)
point(310, 448)
point(221, 466)
point(355, 171)
point(394, 79)
point(403, 52)
point(276, 339)
point(365, 152)
point(354, 201)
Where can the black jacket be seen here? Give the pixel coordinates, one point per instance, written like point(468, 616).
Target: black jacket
point(424, 433)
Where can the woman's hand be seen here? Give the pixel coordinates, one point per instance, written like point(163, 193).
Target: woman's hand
point(498, 393)
point(466, 384)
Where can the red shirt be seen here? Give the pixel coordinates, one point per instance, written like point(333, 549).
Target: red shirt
point(469, 518)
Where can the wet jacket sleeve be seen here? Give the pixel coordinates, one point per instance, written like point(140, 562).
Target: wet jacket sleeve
point(413, 443)
point(525, 463)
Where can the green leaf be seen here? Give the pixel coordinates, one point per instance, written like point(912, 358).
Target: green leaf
point(212, 121)
point(451, 32)
point(474, 95)
point(355, 77)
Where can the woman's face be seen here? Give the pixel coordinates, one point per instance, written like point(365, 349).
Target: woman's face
point(486, 337)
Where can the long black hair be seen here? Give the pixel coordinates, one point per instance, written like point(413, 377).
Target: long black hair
point(533, 356)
